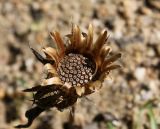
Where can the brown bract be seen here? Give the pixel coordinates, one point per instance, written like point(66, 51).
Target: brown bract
point(75, 69)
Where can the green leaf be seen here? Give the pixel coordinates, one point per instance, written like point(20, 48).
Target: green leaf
point(110, 125)
point(153, 123)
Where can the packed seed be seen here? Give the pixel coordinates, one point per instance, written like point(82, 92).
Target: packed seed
point(74, 68)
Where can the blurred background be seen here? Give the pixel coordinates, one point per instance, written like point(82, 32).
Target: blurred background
point(130, 97)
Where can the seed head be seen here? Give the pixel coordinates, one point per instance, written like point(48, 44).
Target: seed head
point(76, 69)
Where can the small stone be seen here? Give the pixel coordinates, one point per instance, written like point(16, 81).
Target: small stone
point(150, 52)
point(146, 95)
point(92, 126)
point(158, 49)
point(2, 90)
point(2, 116)
point(145, 10)
point(29, 64)
point(4, 55)
point(140, 73)
point(153, 4)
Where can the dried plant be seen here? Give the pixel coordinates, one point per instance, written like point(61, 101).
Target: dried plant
point(75, 69)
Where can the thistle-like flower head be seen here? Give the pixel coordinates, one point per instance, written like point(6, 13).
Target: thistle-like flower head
point(75, 69)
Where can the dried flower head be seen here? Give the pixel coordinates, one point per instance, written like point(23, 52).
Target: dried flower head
point(75, 69)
